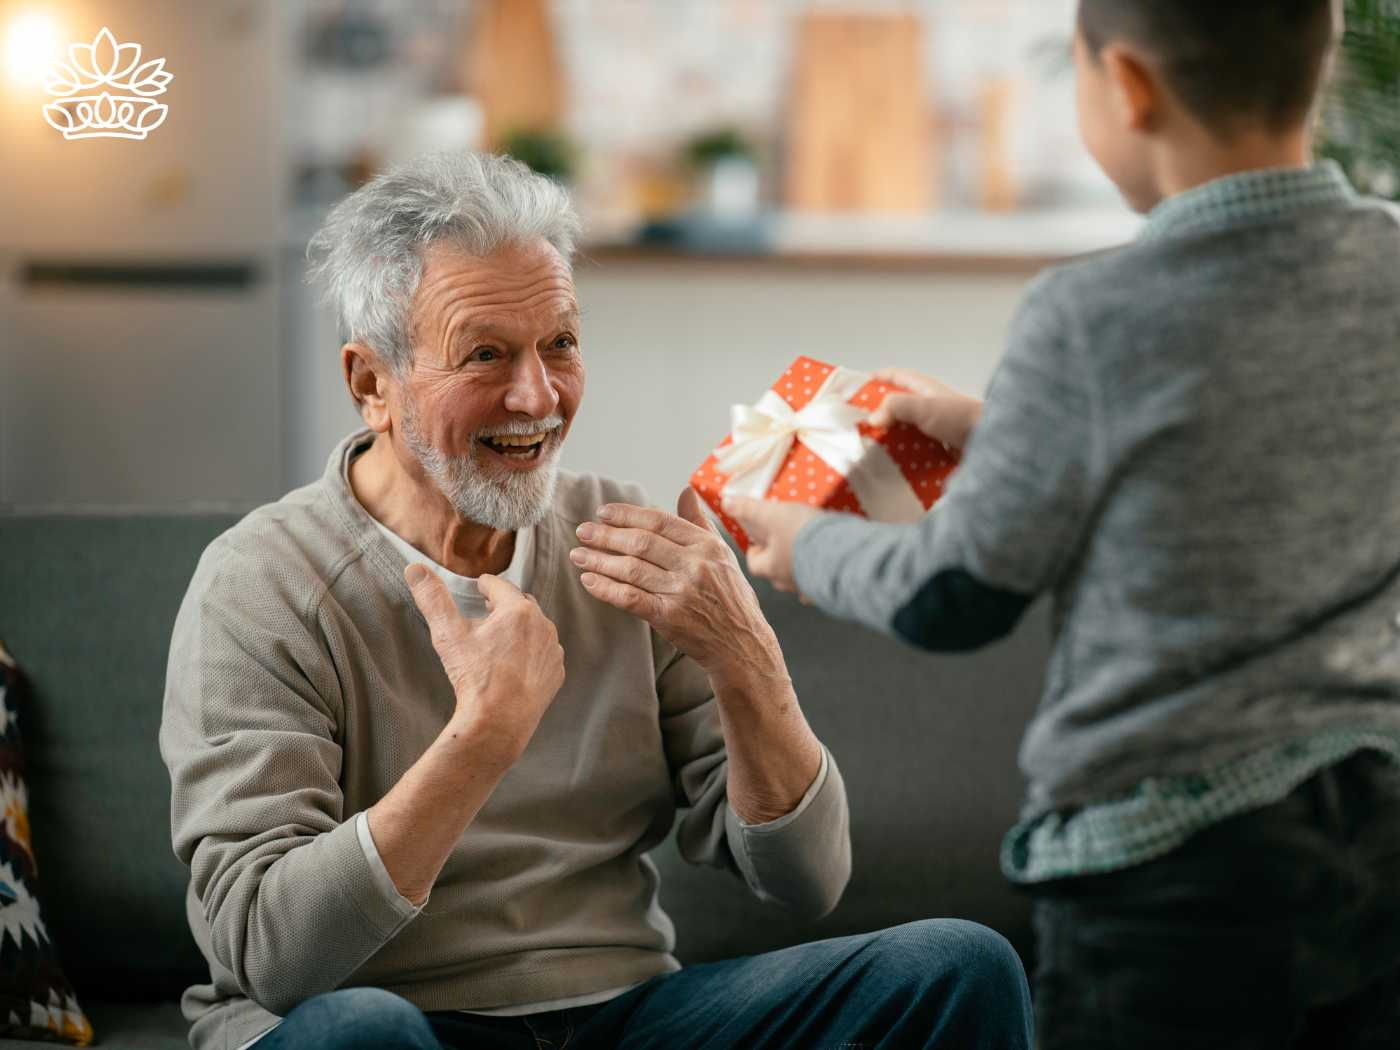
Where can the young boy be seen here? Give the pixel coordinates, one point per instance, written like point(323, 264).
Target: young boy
point(1193, 444)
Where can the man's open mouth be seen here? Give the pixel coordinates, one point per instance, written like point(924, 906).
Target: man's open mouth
point(521, 447)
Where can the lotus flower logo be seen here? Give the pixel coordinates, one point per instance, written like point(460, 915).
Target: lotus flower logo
point(105, 91)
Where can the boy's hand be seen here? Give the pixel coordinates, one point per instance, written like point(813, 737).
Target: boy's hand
point(772, 529)
point(939, 411)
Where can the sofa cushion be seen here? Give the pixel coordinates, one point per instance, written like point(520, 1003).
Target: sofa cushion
point(36, 1000)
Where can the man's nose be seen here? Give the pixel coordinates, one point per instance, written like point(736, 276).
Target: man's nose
point(530, 391)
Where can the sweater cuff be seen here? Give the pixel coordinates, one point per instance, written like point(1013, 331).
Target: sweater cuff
point(789, 817)
point(403, 908)
point(801, 860)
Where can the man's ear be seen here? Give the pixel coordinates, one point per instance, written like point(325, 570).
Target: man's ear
point(1137, 90)
point(362, 370)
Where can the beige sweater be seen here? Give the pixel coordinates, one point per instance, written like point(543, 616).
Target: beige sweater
point(302, 685)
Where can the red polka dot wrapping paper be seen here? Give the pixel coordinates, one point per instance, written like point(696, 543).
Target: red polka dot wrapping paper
point(806, 478)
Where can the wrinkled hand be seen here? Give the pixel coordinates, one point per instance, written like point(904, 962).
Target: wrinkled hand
point(939, 411)
point(505, 669)
point(772, 528)
point(676, 573)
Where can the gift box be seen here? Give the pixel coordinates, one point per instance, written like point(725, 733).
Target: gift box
point(807, 440)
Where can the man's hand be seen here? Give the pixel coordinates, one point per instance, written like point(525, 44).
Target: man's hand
point(772, 528)
point(676, 573)
point(505, 669)
point(939, 411)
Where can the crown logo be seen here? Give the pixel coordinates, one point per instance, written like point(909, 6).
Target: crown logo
point(106, 92)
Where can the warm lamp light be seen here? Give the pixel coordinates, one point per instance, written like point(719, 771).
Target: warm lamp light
point(32, 44)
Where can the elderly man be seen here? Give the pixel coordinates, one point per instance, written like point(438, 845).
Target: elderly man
point(425, 717)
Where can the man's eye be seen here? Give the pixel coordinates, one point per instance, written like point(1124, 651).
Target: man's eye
point(484, 353)
point(565, 342)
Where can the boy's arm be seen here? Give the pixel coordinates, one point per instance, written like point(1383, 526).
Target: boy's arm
point(1015, 514)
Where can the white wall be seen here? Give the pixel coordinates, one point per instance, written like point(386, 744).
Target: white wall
point(670, 346)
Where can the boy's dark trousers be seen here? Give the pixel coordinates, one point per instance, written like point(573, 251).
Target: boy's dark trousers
point(1276, 929)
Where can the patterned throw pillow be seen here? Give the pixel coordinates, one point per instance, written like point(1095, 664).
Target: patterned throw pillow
point(36, 1000)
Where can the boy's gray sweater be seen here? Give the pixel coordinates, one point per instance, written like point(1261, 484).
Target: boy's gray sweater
point(1194, 444)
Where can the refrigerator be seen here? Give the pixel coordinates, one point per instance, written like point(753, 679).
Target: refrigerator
point(140, 356)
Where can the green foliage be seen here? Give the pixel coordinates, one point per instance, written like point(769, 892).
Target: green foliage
point(1361, 121)
point(549, 153)
point(706, 149)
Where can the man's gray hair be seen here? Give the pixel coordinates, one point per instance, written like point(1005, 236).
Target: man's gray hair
point(369, 251)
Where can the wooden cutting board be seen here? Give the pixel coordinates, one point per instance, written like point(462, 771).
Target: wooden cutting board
point(859, 127)
point(513, 69)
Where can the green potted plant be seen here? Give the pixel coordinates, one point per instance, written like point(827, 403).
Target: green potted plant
point(724, 161)
point(550, 153)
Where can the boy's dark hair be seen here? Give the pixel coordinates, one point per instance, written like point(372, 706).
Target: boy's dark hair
point(1235, 64)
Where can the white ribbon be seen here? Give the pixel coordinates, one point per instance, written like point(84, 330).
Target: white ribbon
point(763, 436)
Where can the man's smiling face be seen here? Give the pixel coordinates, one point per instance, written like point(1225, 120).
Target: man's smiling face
point(497, 378)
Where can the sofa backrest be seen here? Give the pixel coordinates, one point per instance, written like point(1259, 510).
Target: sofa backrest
point(926, 745)
point(87, 604)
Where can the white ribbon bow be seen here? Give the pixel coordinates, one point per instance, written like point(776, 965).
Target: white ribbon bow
point(764, 433)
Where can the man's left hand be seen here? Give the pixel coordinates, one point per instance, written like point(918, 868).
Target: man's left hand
point(676, 573)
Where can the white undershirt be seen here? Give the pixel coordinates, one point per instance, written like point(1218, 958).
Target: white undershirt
point(465, 593)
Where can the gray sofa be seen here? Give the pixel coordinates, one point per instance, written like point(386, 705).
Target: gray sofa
point(927, 746)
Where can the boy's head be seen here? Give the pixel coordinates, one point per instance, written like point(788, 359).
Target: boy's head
point(1205, 76)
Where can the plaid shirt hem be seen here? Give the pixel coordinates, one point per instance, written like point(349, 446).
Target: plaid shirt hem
point(1161, 813)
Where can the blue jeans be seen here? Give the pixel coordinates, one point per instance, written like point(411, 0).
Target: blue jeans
point(942, 983)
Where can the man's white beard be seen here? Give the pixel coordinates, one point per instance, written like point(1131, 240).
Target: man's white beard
point(509, 501)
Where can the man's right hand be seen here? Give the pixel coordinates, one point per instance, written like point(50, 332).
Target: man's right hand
point(505, 669)
point(939, 411)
